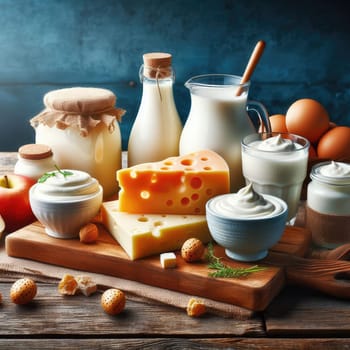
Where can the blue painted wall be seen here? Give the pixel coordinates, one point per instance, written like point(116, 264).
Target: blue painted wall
point(51, 44)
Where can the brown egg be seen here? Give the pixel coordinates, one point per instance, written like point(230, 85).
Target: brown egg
point(278, 123)
point(332, 125)
point(312, 152)
point(307, 118)
point(335, 144)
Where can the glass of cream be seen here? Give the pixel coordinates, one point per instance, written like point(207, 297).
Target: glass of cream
point(276, 164)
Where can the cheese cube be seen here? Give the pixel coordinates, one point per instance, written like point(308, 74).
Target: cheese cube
point(142, 235)
point(168, 260)
point(176, 185)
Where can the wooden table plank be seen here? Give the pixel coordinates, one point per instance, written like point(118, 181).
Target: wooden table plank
point(7, 162)
point(54, 321)
point(176, 343)
point(302, 312)
point(51, 314)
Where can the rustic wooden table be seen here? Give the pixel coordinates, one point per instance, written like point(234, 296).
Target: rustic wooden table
point(297, 319)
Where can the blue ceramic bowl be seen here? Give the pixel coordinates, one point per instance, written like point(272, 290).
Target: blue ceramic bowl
point(246, 239)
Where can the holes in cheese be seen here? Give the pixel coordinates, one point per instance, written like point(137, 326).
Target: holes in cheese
point(142, 219)
point(176, 185)
point(195, 196)
point(145, 194)
point(186, 161)
point(149, 234)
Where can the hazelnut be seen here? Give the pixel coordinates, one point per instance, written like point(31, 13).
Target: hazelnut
point(113, 301)
point(23, 291)
point(88, 233)
point(195, 308)
point(192, 250)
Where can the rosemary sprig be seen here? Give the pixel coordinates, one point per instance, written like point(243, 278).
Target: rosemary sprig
point(224, 271)
point(65, 173)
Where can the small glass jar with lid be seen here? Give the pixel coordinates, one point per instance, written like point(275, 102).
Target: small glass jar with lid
point(34, 160)
point(328, 204)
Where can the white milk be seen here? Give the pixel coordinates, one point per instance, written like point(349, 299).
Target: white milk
point(98, 154)
point(157, 128)
point(278, 173)
point(218, 121)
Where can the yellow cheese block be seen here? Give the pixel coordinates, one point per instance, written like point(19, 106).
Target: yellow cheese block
point(176, 185)
point(142, 235)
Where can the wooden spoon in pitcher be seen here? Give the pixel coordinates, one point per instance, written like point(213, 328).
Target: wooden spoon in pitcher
point(253, 61)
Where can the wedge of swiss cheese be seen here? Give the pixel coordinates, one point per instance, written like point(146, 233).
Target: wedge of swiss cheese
point(142, 235)
point(176, 185)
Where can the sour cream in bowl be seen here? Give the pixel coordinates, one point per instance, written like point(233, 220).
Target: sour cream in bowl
point(246, 223)
point(64, 201)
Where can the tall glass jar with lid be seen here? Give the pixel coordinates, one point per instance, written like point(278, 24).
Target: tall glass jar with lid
point(80, 124)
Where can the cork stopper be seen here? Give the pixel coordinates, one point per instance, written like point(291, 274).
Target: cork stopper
point(157, 64)
point(34, 151)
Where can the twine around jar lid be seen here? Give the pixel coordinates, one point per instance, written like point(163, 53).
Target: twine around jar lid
point(34, 151)
point(157, 64)
point(82, 108)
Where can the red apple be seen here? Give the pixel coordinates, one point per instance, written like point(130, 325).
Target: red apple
point(2, 226)
point(14, 201)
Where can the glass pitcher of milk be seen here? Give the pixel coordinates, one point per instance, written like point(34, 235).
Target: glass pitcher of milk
point(219, 119)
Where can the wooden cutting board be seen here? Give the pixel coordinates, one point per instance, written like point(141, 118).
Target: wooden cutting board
point(106, 256)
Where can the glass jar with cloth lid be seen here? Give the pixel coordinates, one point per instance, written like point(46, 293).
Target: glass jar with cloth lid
point(80, 124)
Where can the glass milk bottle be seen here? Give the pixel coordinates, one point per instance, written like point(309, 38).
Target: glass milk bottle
point(81, 127)
point(157, 128)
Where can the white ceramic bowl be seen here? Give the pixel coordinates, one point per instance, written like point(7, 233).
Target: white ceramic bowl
point(64, 217)
point(246, 239)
